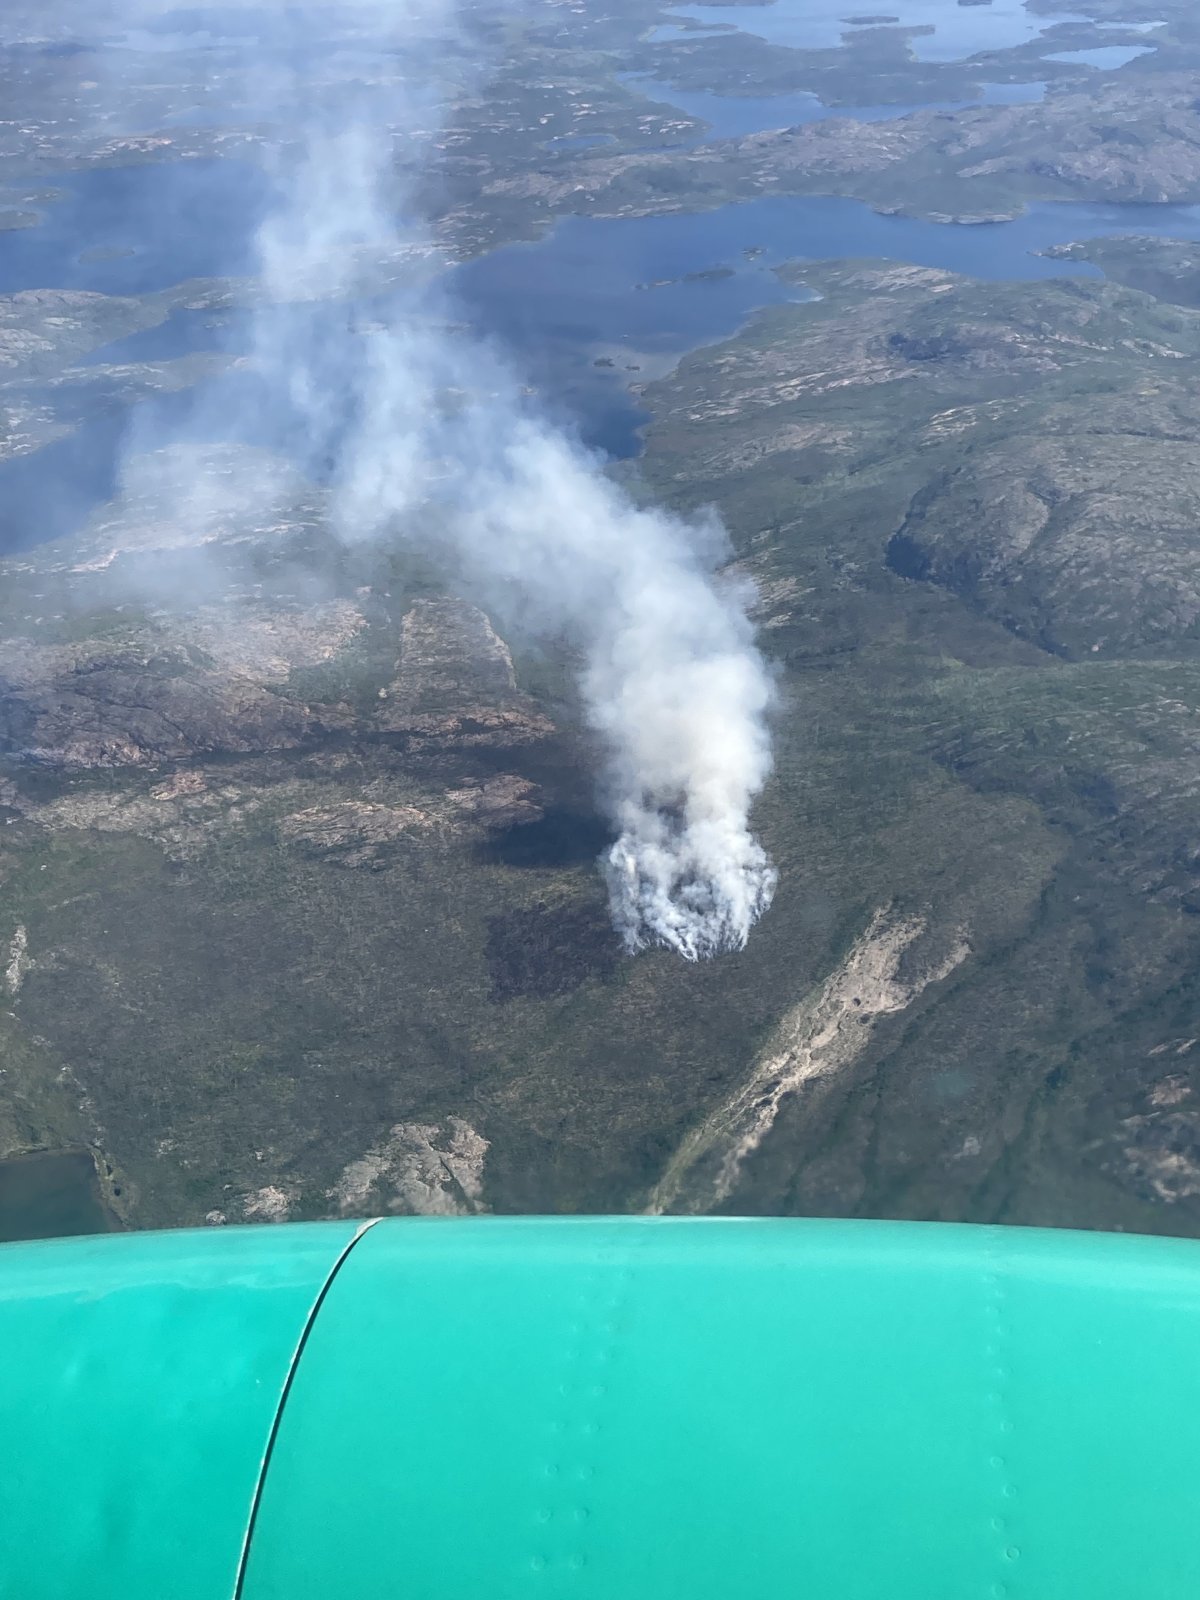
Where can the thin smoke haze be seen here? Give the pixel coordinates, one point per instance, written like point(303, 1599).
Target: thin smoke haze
point(430, 440)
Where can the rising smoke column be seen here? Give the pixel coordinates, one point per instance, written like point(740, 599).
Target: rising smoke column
point(435, 442)
point(672, 682)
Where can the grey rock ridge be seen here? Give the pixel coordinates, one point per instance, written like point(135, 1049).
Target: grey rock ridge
point(1119, 141)
point(1087, 543)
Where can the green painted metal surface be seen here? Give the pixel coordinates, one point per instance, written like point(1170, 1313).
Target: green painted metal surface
point(691, 1410)
point(139, 1381)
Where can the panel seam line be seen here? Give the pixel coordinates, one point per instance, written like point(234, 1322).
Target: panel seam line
point(277, 1419)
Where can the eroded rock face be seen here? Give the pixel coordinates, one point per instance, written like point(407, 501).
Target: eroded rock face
point(505, 801)
point(268, 1204)
point(454, 682)
point(355, 833)
point(449, 652)
point(421, 1169)
point(887, 969)
point(233, 674)
point(365, 833)
point(270, 644)
point(1086, 544)
point(1162, 1158)
point(17, 961)
point(95, 705)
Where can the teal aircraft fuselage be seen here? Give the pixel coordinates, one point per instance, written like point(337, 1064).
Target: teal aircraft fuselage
point(600, 1409)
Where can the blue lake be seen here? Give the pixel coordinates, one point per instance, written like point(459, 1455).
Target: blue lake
point(636, 293)
point(576, 294)
point(593, 307)
point(1107, 57)
point(162, 221)
point(958, 31)
point(732, 116)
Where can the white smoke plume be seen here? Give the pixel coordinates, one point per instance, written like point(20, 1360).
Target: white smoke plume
point(434, 442)
point(672, 684)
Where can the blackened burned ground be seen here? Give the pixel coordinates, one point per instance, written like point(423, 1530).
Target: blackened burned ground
point(560, 838)
point(543, 950)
